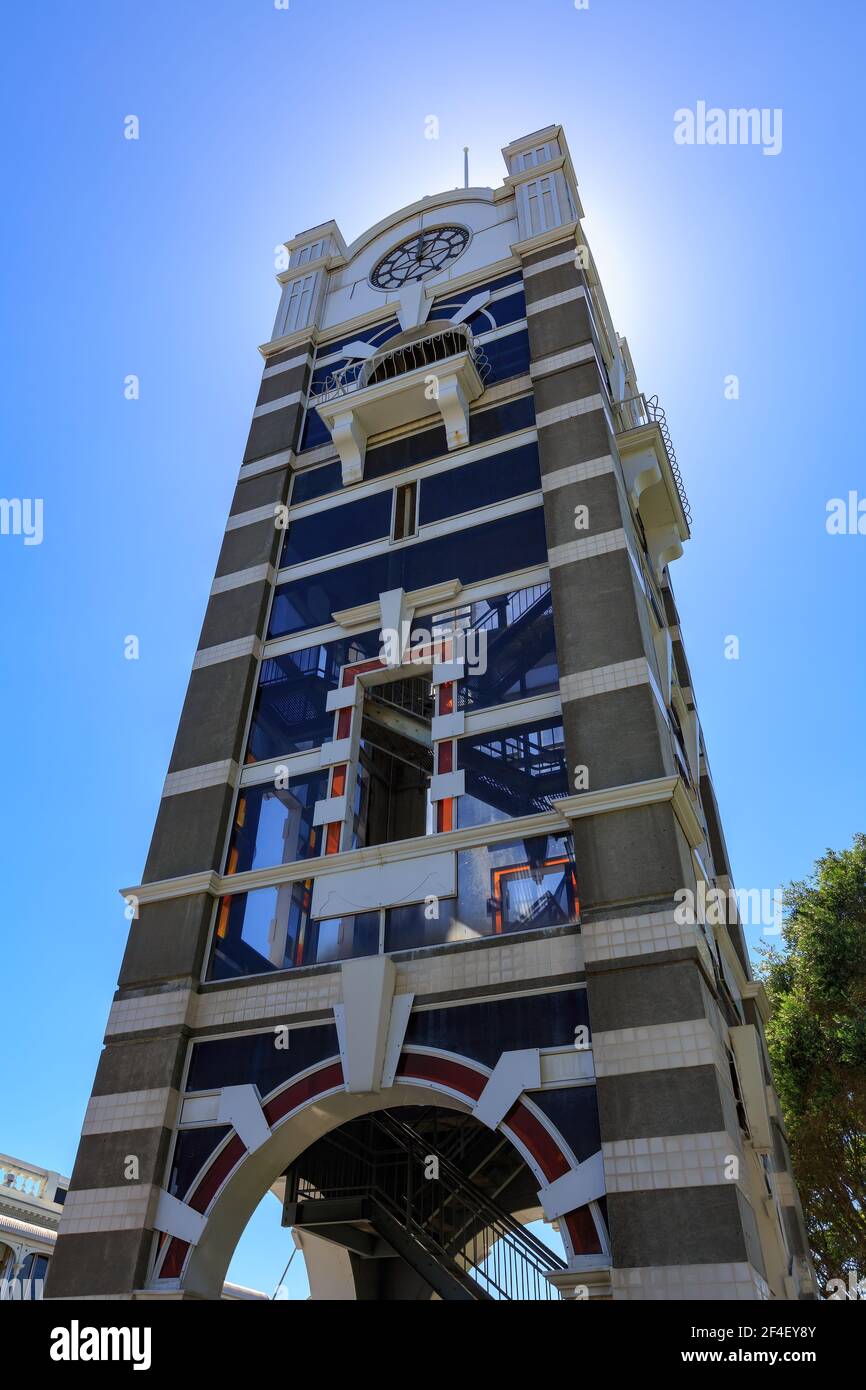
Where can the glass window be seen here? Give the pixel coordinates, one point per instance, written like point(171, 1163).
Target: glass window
point(28, 1283)
point(289, 714)
point(337, 528)
point(509, 474)
point(317, 482)
point(502, 888)
point(271, 929)
point(476, 553)
point(508, 356)
point(510, 649)
point(274, 825)
point(260, 931)
point(342, 938)
point(511, 772)
point(405, 512)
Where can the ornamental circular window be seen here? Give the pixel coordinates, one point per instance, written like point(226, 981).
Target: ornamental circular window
point(420, 255)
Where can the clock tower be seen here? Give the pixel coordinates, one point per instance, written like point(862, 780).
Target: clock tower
point(413, 946)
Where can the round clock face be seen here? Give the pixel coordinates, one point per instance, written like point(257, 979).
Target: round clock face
point(419, 256)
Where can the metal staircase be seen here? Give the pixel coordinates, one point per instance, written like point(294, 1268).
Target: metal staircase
point(381, 1188)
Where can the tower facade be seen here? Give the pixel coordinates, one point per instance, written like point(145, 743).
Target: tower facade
point(419, 943)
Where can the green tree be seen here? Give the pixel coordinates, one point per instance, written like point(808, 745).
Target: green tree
point(817, 1042)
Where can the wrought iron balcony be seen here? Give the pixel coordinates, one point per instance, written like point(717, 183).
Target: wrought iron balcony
point(645, 410)
point(393, 362)
point(420, 373)
point(654, 477)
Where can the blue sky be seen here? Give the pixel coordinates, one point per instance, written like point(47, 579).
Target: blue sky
point(156, 257)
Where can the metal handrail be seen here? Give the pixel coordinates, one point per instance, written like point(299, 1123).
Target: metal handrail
point(452, 1219)
point(645, 410)
point(394, 362)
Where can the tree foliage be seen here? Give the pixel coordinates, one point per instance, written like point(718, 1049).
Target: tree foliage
point(817, 1042)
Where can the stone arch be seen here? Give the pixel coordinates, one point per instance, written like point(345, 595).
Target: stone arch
point(233, 1181)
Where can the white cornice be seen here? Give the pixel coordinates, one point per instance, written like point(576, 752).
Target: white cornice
point(538, 243)
point(472, 837)
point(634, 794)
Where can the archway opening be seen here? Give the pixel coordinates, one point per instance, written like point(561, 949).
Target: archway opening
point(417, 1203)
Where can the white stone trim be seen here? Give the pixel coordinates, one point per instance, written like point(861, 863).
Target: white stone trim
point(125, 1208)
point(706, 1282)
point(240, 578)
point(126, 1110)
point(227, 651)
point(564, 258)
point(619, 937)
point(177, 1219)
point(278, 367)
point(268, 464)
point(142, 1012)
point(600, 680)
point(240, 1107)
point(553, 301)
point(657, 1047)
point(584, 405)
point(268, 512)
point(577, 1187)
point(514, 1073)
point(281, 403)
point(194, 779)
point(578, 473)
point(584, 549)
point(436, 971)
point(675, 1160)
point(558, 361)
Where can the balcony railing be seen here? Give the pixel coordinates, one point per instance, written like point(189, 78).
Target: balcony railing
point(642, 410)
point(391, 363)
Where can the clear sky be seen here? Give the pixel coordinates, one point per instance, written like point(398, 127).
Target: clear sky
point(156, 257)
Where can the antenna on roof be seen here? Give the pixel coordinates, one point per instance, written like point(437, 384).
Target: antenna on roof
point(465, 166)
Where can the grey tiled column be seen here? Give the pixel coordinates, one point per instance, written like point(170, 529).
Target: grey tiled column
point(681, 1231)
point(106, 1235)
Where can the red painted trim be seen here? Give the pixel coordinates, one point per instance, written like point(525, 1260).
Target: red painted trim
point(442, 1069)
point(538, 1140)
point(581, 1228)
point(303, 1091)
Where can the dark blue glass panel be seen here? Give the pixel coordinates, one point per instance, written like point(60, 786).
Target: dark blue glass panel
point(446, 304)
point(508, 356)
point(511, 772)
point(317, 482)
point(516, 649)
point(316, 432)
point(479, 552)
point(271, 929)
point(509, 474)
point(342, 938)
point(289, 714)
point(378, 334)
point(338, 528)
point(574, 1112)
point(274, 825)
point(484, 1031)
point(192, 1150)
point(414, 449)
point(515, 886)
point(251, 1058)
point(260, 931)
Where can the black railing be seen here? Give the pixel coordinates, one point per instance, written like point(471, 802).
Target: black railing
point(403, 1176)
